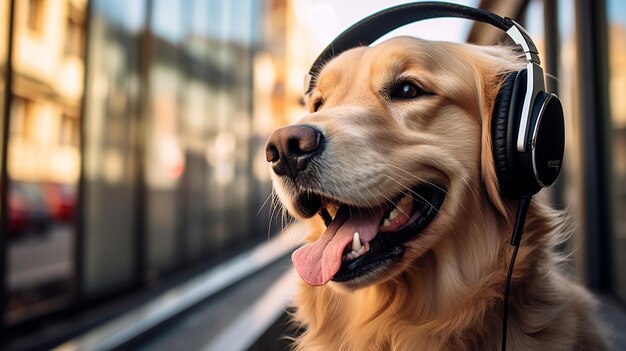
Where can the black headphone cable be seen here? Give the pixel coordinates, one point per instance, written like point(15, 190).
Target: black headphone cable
point(516, 238)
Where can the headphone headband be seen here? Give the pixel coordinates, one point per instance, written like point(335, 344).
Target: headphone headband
point(371, 28)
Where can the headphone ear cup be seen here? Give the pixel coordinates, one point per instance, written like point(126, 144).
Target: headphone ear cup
point(525, 173)
point(501, 130)
point(548, 139)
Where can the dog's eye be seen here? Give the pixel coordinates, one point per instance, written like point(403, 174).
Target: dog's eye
point(406, 90)
point(316, 105)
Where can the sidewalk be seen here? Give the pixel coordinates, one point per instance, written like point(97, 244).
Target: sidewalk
point(198, 311)
point(235, 319)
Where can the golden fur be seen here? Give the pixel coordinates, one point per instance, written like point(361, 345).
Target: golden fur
point(447, 292)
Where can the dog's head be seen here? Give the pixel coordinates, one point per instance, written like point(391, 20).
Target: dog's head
point(396, 148)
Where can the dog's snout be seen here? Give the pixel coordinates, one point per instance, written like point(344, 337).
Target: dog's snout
point(290, 148)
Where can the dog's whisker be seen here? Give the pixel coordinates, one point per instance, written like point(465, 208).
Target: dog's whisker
point(401, 210)
point(425, 181)
point(480, 211)
point(448, 224)
point(280, 214)
point(419, 179)
point(271, 214)
point(264, 203)
point(373, 196)
point(284, 221)
point(413, 266)
point(414, 193)
point(269, 226)
point(276, 207)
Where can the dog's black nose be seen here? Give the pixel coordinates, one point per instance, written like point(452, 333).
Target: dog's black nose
point(289, 149)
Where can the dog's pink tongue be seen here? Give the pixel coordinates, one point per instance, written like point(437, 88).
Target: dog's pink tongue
point(319, 261)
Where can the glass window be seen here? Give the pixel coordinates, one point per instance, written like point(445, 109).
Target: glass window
point(228, 150)
point(165, 157)
point(616, 12)
point(75, 31)
point(4, 42)
point(201, 189)
point(36, 15)
point(571, 176)
point(111, 147)
point(196, 112)
point(4, 36)
point(43, 163)
point(178, 105)
point(565, 193)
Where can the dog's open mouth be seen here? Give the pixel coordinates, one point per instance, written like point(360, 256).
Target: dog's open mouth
point(360, 241)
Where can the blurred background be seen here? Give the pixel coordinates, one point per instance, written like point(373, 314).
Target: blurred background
point(135, 207)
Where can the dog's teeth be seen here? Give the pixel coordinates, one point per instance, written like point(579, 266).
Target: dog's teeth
point(356, 253)
point(386, 223)
point(393, 214)
point(356, 242)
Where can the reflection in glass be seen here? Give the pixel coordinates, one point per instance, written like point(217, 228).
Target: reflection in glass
point(4, 42)
point(571, 175)
point(616, 11)
point(179, 99)
point(111, 147)
point(43, 155)
point(201, 194)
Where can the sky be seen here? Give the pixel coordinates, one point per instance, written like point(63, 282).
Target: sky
point(328, 18)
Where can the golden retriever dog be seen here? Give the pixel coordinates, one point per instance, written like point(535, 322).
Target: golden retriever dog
point(409, 242)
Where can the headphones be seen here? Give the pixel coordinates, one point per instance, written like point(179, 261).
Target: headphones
point(527, 129)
